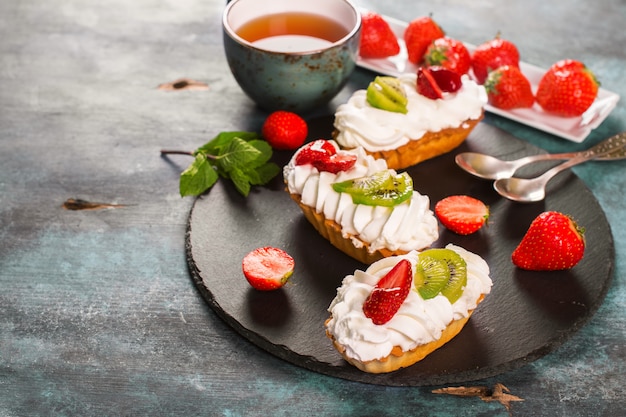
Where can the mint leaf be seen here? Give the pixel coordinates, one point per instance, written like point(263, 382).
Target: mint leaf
point(237, 153)
point(215, 145)
point(198, 177)
point(242, 157)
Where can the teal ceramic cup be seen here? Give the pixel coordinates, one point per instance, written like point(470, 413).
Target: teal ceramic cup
point(291, 55)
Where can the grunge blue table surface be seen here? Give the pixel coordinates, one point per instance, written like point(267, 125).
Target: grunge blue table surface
point(98, 314)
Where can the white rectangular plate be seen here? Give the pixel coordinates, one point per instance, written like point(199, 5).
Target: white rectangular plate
point(575, 129)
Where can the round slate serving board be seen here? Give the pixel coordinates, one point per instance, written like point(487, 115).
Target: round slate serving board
point(527, 314)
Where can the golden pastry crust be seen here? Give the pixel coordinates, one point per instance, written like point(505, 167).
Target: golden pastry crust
point(430, 145)
point(397, 358)
point(330, 230)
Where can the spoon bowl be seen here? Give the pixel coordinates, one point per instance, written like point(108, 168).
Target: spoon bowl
point(491, 168)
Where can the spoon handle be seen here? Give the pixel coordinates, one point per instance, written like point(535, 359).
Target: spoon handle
point(611, 148)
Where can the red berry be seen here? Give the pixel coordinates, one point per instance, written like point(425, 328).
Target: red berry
point(267, 268)
point(377, 38)
point(284, 130)
point(420, 33)
point(426, 84)
point(432, 82)
point(389, 293)
point(507, 88)
point(314, 151)
point(491, 55)
point(449, 53)
point(567, 89)
point(324, 156)
point(553, 242)
point(336, 163)
point(462, 214)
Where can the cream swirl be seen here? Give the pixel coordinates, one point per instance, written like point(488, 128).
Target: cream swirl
point(360, 124)
point(407, 226)
point(417, 322)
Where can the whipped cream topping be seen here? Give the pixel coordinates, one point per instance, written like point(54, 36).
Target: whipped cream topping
point(417, 322)
point(360, 124)
point(408, 226)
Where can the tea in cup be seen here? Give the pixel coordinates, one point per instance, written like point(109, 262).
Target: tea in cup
point(291, 54)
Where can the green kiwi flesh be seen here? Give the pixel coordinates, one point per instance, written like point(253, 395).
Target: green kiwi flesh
point(440, 271)
point(380, 189)
point(386, 93)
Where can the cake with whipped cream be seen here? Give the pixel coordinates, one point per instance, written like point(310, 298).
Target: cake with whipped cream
point(356, 202)
point(426, 319)
point(413, 120)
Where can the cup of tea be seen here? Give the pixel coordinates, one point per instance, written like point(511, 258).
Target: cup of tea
point(291, 55)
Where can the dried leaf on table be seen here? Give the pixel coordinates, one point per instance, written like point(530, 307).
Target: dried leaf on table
point(184, 84)
point(78, 204)
point(500, 393)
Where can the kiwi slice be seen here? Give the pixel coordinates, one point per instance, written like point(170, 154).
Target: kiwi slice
point(386, 93)
point(440, 271)
point(431, 275)
point(380, 189)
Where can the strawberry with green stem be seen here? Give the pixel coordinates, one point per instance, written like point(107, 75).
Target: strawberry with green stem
point(508, 88)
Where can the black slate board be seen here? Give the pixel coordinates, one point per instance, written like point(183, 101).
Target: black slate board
point(526, 316)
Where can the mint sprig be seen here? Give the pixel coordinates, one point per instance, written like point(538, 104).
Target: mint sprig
point(242, 157)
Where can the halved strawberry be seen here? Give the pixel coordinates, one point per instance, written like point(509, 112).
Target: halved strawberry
point(377, 38)
point(433, 81)
point(267, 268)
point(462, 214)
point(314, 151)
point(389, 293)
point(335, 163)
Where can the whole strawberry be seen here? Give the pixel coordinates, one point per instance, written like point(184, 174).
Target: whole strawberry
point(448, 53)
point(389, 293)
point(567, 89)
point(284, 130)
point(377, 38)
point(493, 54)
point(462, 214)
point(553, 242)
point(507, 88)
point(418, 34)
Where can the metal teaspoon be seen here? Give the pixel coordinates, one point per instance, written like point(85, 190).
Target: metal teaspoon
point(534, 189)
point(492, 168)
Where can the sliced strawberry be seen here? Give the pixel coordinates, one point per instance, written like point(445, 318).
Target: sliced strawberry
point(267, 268)
point(389, 293)
point(314, 151)
point(426, 84)
point(336, 163)
point(462, 214)
point(377, 38)
point(449, 81)
point(553, 242)
point(284, 130)
point(432, 82)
